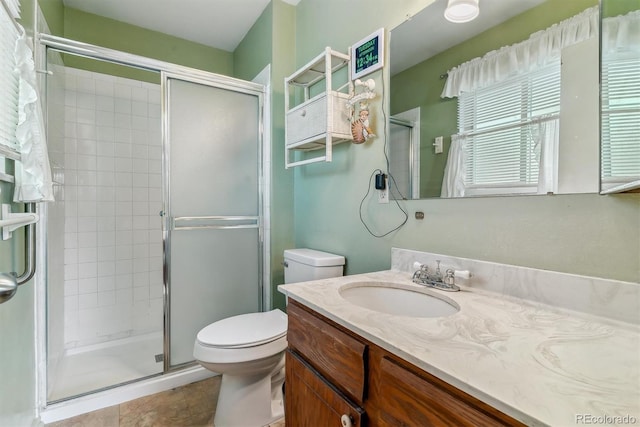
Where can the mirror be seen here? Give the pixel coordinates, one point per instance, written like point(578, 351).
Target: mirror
point(620, 100)
point(425, 47)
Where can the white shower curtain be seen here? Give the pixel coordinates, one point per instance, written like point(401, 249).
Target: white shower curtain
point(454, 172)
point(545, 133)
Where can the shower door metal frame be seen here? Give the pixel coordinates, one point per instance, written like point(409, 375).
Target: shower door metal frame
point(213, 222)
point(99, 53)
point(409, 125)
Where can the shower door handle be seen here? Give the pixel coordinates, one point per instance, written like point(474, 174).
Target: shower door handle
point(213, 222)
point(164, 221)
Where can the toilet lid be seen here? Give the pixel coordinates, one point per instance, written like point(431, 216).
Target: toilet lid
point(245, 330)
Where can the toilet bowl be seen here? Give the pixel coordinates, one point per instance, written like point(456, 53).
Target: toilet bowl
point(248, 350)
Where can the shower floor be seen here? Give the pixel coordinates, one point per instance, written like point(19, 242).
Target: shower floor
point(96, 367)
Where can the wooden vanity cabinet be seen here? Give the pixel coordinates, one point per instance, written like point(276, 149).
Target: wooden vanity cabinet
point(331, 372)
point(325, 373)
point(311, 401)
point(337, 355)
point(404, 395)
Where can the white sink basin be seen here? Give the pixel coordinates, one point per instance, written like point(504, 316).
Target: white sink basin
point(398, 299)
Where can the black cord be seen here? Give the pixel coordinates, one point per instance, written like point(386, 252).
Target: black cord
point(406, 215)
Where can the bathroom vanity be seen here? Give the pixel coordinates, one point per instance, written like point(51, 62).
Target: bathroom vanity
point(334, 375)
point(498, 360)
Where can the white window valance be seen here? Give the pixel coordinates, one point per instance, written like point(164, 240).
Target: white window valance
point(621, 33)
point(538, 50)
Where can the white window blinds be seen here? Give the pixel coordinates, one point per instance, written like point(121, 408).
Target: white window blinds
point(8, 76)
point(498, 123)
point(620, 117)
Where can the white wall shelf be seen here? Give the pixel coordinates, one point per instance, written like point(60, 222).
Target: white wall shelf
point(321, 121)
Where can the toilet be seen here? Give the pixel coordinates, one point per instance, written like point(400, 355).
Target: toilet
point(248, 349)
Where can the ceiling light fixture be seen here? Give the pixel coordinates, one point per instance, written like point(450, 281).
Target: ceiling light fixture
point(459, 11)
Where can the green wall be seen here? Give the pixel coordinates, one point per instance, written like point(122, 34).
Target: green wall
point(255, 51)
point(271, 41)
point(583, 234)
point(282, 232)
point(17, 333)
point(77, 25)
point(53, 10)
point(619, 7)
point(93, 29)
point(17, 316)
point(421, 85)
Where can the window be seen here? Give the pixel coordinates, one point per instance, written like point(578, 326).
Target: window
point(620, 117)
point(8, 76)
point(499, 123)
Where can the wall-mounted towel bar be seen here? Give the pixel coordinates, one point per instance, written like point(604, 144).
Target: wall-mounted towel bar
point(9, 282)
point(9, 221)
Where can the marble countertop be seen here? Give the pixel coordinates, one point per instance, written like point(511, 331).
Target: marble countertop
point(539, 364)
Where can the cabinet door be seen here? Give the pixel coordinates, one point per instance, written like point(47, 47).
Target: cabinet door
point(412, 398)
point(337, 356)
point(310, 401)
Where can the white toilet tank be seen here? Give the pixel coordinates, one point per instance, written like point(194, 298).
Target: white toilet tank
point(301, 265)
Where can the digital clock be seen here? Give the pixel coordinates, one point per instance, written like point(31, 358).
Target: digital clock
point(367, 55)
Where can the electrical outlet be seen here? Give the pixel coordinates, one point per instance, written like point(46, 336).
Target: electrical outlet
point(383, 195)
point(438, 145)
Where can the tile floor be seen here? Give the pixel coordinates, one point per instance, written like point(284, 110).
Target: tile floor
point(188, 406)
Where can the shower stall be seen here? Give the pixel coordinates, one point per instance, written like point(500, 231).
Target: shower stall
point(157, 229)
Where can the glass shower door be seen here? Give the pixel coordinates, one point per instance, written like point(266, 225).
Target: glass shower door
point(104, 283)
point(213, 225)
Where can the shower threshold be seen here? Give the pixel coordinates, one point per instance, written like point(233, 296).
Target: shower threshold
point(123, 393)
point(87, 369)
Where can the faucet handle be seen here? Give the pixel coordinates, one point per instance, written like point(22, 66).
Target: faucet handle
point(463, 274)
point(449, 278)
point(420, 267)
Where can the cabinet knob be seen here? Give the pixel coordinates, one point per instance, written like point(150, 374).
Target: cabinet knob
point(304, 113)
point(346, 421)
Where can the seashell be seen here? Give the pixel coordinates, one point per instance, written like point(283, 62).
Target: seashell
point(357, 131)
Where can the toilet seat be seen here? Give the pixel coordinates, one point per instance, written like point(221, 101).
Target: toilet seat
point(244, 330)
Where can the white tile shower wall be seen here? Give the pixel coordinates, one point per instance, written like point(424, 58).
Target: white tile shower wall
point(592, 295)
point(113, 238)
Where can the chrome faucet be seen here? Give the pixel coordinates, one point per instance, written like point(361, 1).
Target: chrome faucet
point(423, 276)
